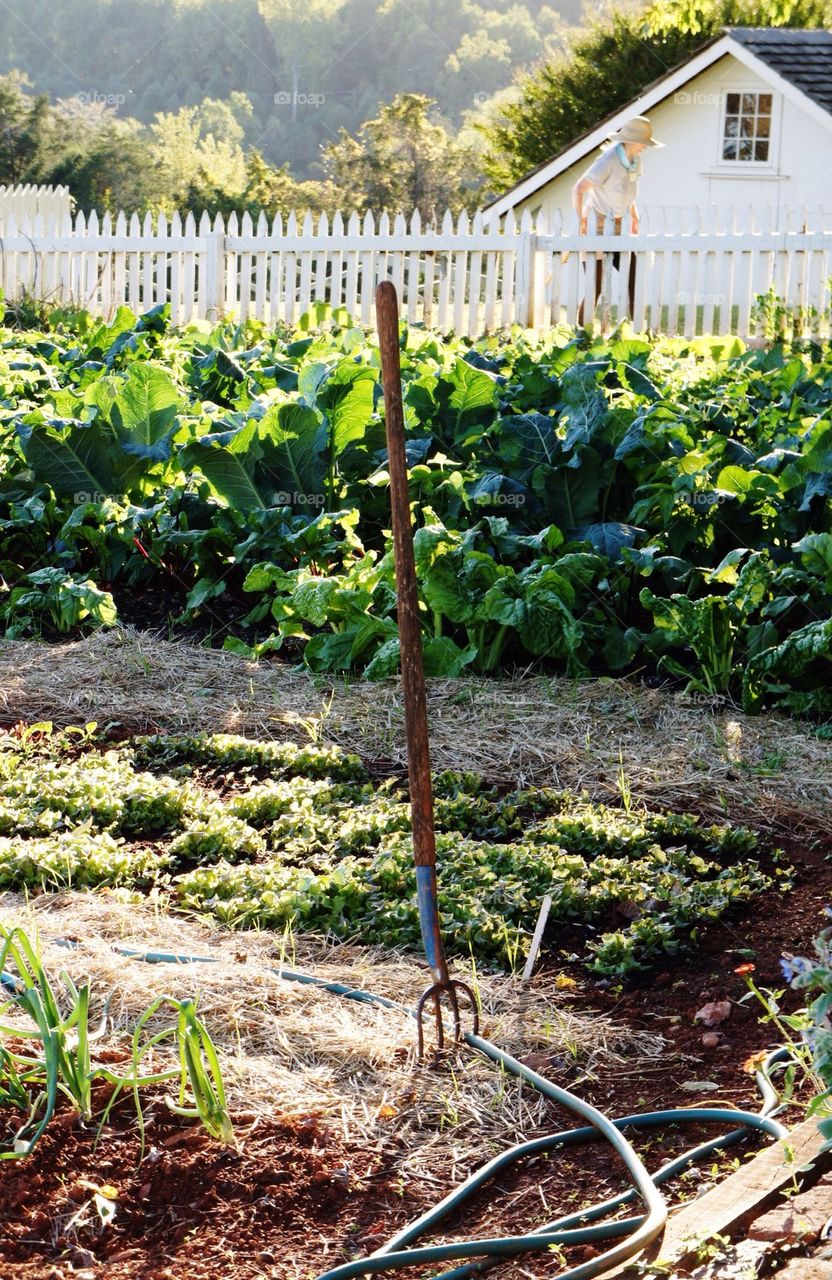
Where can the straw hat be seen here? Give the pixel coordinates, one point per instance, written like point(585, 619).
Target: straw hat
point(636, 130)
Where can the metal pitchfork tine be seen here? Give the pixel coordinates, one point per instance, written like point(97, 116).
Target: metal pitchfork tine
point(413, 685)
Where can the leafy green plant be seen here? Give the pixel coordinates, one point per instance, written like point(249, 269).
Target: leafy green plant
point(53, 600)
point(199, 1068)
point(581, 504)
point(790, 1029)
point(773, 316)
point(100, 788)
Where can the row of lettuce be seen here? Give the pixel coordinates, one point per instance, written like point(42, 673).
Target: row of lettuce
point(266, 835)
point(590, 505)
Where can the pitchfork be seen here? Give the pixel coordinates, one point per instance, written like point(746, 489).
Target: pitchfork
point(413, 684)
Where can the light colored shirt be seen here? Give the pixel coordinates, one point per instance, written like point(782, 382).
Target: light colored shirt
point(613, 187)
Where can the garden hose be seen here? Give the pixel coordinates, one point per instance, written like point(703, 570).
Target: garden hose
point(572, 1229)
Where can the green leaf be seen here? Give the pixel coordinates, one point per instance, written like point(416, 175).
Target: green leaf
point(734, 480)
point(473, 389)
point(548, 627)
point(293, 455)
point(275, 461)
point(205, 589)
point(456, 585)
point(347, 399)
point(228, 472)
point(73, 458)
point(815, 551)
point(638, 382)
point(621, 647)
point(726, 570)
point(144, 413)
point(608, 538)
point(583, 404)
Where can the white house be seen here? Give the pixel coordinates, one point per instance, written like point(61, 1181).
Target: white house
point(747, 125)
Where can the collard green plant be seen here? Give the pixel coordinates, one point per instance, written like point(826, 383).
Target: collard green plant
point(586, 505)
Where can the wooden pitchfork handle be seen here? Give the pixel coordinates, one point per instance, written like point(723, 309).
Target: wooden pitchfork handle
point(413, 676)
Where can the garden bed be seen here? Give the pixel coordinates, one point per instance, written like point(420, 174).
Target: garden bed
point(322, 1087)
point(586, 505)
point(344, 1138)
point(329, 1089)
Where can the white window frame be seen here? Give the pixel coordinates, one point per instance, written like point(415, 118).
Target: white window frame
point(740, 167)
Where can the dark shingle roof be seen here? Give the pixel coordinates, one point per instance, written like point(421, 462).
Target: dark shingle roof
point(801, 56)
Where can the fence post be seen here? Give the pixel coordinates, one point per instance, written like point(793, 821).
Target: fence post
point(541, 277)
point(526, 254)
point(215, 271)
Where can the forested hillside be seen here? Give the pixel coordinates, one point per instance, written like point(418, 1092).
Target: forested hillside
point(323, 104)
point(308, 67)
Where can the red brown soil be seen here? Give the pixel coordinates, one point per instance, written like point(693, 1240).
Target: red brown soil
point(286, 1205)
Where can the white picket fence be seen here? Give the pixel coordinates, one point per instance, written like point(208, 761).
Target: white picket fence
point(467, 276)
point(26, 200)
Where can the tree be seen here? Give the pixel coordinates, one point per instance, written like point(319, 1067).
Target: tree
point(23, 127)
point(308, 67)
point(272, 191)
point(607, 64)
point(303, 34)
point(706, 17)
point(198, 152)
point(403, 160)
point(107, 168)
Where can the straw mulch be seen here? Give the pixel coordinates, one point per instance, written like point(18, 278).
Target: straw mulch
point(297, 1051)
point(600, 735)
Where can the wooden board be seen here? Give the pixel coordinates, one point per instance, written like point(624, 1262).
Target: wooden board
point(719, 1209)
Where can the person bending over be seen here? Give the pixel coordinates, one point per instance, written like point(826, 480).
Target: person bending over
point(609, 187)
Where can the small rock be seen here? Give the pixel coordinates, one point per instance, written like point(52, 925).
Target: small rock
point(266, 1256)
point(802, 1218)
point(83, 1260)
point(711, 1014)
point(806, 1269)
point(710, 1040)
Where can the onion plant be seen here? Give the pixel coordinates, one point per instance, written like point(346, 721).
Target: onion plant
point(60, 1061)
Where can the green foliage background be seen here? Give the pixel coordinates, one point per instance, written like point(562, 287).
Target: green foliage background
point(293, 74)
